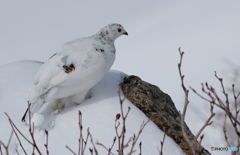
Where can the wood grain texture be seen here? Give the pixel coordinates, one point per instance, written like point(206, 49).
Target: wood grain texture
point(159, 107)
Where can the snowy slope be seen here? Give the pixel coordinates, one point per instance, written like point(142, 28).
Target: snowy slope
point(98, 113)
point(207, 30)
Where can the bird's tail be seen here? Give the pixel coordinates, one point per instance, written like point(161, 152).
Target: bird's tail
point(24, 115)
point(26, 112)
point(32, 108)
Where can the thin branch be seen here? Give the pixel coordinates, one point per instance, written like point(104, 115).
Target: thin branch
point(207, 123)
point(46, 144)
point(14, 131)
point(103, 146)
point(33, 139)
point(10, 139)
point(140, 148)
point(214, 99)
point(94, 147)
point(162, 143)
point(14, 127)
point(186, 93)
point(86, 141)
point(121, 136)
point(109, 150)
point(225, 130)
point(80, 140)
point(6, 147)
point(135, 138)
point(69, 149)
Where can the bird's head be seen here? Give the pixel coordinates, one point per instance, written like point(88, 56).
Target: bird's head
point(112, 32)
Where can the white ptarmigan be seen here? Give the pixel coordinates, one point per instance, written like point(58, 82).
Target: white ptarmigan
point(73, 71)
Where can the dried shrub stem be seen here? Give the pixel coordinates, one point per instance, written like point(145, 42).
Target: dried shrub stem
point(191, 142)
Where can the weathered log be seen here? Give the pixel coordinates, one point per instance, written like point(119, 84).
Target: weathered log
point(159, 107)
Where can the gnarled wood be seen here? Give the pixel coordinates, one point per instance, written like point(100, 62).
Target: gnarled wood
point(159, 107)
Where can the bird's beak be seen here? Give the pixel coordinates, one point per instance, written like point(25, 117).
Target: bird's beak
point(125, 33)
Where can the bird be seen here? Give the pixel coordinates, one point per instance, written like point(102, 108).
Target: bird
point(75, 69)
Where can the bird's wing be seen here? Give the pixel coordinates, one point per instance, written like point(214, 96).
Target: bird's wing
point(48, 70)
point(62, 67)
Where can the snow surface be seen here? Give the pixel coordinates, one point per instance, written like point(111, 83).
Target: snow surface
point(208, 31)
point(98, 113)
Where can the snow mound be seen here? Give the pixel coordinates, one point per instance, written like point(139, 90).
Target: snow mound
point(98, 113)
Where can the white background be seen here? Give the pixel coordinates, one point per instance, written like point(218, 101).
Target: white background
point(207, 30)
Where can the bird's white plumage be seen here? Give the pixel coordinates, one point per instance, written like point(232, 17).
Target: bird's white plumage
point(90, 65)
point(90, 57)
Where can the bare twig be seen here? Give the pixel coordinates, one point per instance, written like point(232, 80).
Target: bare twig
point(201, 138)
point(235, 96)
point(82, 142)
point(193, 142)
point(6, 146)
point(225, 130)
point(103, 146)
point(10, 139)
point(140, 148)
point(109, 150)
point(162, 143)
point(94, 147)
point(223, 103)
point(135, 138)
point(69, 149)
point(13, 126)
point(31, 130)
point(46, 144)
point(86, 141)
point(121, 136)
point(35, 146)
point(16, 130)
point(186, 93)
point(226, 106)
point(207, 123)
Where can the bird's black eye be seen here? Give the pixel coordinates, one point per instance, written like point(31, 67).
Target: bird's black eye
point(119, 30)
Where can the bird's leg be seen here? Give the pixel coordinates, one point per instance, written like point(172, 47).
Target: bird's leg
point(78, 98)
point(58, 105)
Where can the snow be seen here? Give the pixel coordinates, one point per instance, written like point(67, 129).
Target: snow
point(208, 31)
point(98, 113)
